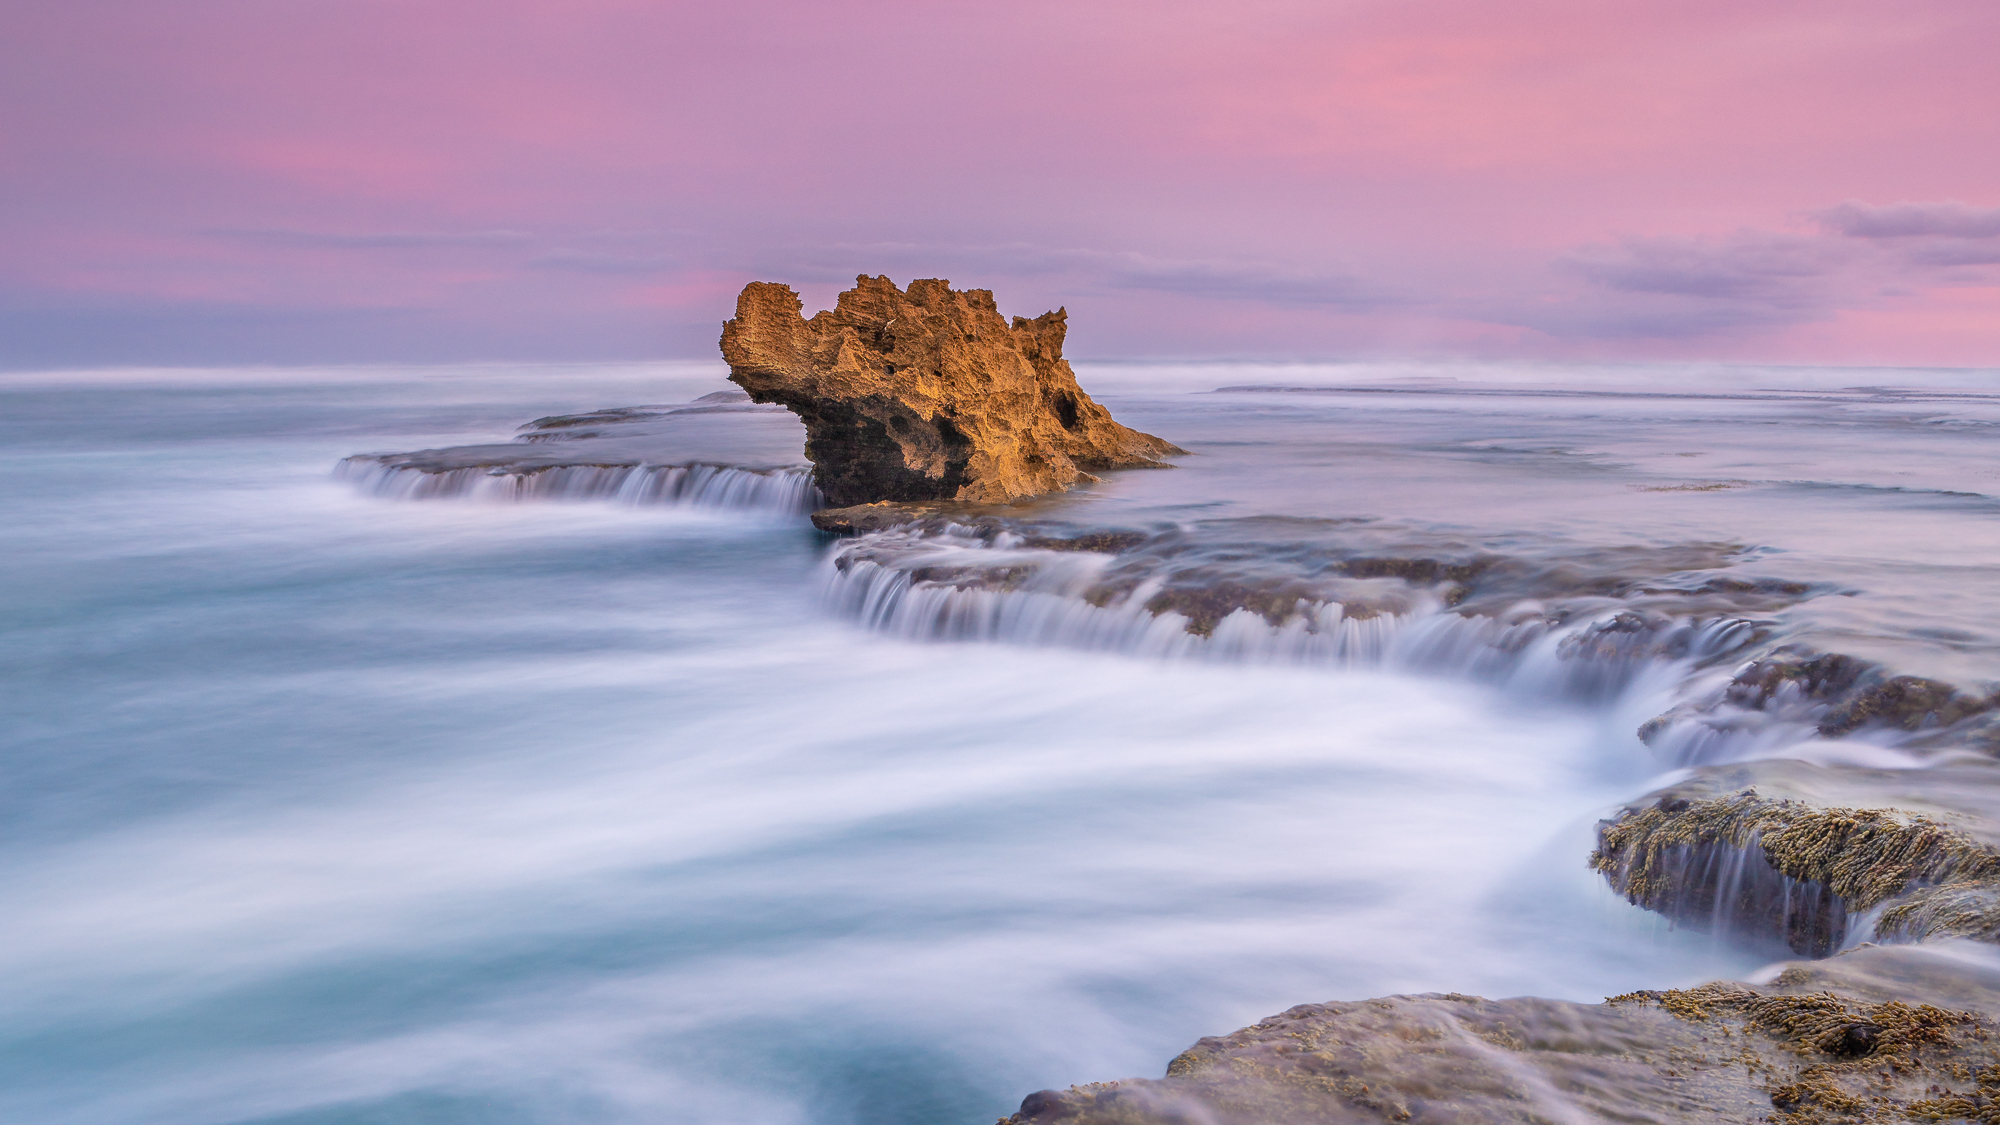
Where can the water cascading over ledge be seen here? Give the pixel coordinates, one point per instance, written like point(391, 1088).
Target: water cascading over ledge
point(718, 452)
point(1210, 597)
point(778, 491)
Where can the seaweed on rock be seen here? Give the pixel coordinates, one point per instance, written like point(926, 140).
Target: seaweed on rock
point(1959, 909)
point(1847, 1048)
point(1793, 871)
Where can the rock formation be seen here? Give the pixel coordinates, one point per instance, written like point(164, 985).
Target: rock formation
point(1879, 1034)
point(927, 394)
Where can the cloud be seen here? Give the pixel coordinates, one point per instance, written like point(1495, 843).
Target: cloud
point(1264, 282)
point(1949, 219)
point(1687, 287)
point(373, 240)
point(1956, 253)
point(1682, 288)
point(1602, 316)
point(1937, 236)
point(606, 263)
point(46, 332)
point(1783, 271)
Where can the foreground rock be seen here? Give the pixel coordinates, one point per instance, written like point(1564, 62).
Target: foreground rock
point(1881, 1034)
point(927, 394)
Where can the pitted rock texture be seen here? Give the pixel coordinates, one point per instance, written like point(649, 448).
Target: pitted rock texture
point(1878, 1035)
point(927, 394)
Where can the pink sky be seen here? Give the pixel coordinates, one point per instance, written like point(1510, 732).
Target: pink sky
point(441, 179)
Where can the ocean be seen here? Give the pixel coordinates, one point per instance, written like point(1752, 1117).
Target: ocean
point(332, 800)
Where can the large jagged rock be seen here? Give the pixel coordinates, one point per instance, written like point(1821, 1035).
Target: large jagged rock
point(927, 394)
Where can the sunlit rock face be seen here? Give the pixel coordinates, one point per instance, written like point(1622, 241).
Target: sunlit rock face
point(928, 394)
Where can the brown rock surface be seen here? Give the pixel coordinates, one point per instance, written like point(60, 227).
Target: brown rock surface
point(927, 394)
point(1879, 1034)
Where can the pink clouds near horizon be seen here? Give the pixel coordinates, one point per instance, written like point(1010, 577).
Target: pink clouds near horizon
point(437, 179)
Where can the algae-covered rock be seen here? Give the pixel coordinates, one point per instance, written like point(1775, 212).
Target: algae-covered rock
point(1879, 1034)
point(927, 394)
point(1797, 853)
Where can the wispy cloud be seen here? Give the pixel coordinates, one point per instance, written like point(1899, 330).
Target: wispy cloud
point(1681, 288)
point(1948, 219)
point(581, 262)
point(372, 240)
point(1756, 266)
point(1274, 283)
point(1689, 287)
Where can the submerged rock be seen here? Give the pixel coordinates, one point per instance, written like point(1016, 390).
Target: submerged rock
point(1856, 693)
point(1879, 1034)
point(927, 394)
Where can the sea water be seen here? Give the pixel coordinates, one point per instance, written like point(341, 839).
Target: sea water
point(321, 806)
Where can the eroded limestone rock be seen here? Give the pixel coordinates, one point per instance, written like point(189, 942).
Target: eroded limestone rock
point(927, 394)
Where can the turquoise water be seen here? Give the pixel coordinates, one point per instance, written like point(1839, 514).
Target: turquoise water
point(321, 807)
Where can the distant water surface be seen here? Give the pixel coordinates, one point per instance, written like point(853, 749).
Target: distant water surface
point(326, 808)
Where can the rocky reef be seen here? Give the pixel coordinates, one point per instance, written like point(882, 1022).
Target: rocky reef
point(1284, 570)
point(1796, 820)
point(1880, 1034)
point(1819, 856)
point(1817, 859)
point(927, 394)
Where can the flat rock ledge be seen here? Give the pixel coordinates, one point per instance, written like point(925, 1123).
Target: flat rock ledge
point(1876, 1035)
point(927, 394)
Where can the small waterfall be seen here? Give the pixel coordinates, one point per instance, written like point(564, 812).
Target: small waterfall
point(1055, 599)
point(788, 490)
point(1734, 890)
